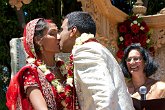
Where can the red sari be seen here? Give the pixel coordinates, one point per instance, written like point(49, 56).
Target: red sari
point(16, 96)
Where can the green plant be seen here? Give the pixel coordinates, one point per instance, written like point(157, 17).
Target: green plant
point(4, 81)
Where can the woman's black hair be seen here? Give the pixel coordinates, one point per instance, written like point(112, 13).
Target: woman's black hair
point(40, 28)
point(150, 65)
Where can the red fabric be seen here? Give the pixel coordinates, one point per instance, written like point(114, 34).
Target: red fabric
point(28, 34)
point(29, 79)
point(16, 90)
point(27, 49)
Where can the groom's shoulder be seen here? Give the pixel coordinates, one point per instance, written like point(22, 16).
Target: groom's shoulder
point(91, 46)
point(94, 45)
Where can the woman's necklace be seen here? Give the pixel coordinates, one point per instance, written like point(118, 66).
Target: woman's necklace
point(136, 89)
point(63, 93)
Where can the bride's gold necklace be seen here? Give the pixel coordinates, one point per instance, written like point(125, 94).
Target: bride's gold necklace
point(55, 70)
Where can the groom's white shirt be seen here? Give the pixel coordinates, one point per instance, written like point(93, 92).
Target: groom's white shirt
point(99, 80)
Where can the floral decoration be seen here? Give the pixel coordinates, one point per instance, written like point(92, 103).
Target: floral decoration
point(133, 30)
point(18, 3)
point(63, 93)
point(84, 38)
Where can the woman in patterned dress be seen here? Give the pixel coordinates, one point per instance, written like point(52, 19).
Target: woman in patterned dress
point(30, 88)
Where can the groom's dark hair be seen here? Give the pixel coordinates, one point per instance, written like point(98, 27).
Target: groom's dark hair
point(82, 21)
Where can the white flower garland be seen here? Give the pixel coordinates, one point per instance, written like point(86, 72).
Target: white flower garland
point(84, 37)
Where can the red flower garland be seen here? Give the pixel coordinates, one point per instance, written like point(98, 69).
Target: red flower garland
point(64, 98)
point(133, 30)
point(50, 77)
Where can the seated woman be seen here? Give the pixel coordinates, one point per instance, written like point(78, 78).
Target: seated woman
point(137, 65)
point(40, 85)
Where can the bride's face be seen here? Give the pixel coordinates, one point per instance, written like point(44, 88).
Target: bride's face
point(135, 62)
point(50, 42)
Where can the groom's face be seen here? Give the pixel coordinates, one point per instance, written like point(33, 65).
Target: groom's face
point(67, 38)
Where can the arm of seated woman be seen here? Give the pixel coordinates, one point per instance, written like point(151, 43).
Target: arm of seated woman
point(160, 89)
point(157, 91)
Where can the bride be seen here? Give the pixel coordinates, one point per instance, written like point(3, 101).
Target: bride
point(40, 84)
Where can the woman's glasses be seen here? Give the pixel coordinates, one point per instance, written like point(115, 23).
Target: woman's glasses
point(135, 59)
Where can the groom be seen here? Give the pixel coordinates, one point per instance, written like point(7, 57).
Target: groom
point(98, 78)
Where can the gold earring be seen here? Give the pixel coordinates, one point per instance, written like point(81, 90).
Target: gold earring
point(41, 48)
